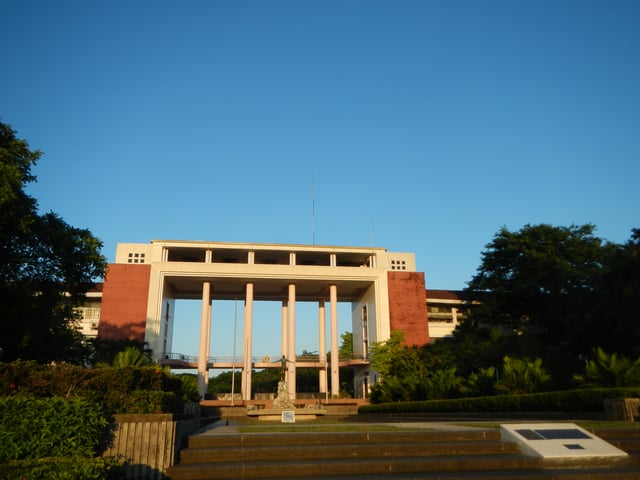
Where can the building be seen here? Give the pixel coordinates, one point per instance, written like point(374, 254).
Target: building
point(383, 288)
point(88, 315)
point(446, 310)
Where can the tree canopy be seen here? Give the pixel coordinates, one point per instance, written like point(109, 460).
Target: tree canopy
point(552, 302)
point(46, 265)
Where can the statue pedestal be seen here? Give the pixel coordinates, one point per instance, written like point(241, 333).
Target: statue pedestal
point(283, 403)
point(275, 414)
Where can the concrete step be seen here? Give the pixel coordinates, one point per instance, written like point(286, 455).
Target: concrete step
point(447, 455)
point(347, 467)
point(324, 438)
point(349, 451)
point(627, 439)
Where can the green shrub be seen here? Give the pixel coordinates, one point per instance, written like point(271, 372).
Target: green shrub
point(49, 427)
point(129, 389)
point(62, 468)
point(582, 400)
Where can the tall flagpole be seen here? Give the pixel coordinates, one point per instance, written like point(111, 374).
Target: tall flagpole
point(313, 209)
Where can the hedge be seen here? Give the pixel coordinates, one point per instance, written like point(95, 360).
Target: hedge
point(581, 400)
point(50, 427)
point(63, 468)
point(116, 390)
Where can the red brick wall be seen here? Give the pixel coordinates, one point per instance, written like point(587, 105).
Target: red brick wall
point(123, 313)
point(408, 306)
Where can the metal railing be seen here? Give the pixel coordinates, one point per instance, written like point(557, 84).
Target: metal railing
point(190, 359)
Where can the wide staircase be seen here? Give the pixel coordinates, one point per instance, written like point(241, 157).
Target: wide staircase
point(445, 455)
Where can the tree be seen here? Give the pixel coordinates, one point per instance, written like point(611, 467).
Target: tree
point(46, 266)
point(345, 351)
point(130, 357)
point(403, 375)
point(619, 301)
point(610, 370)
point(543, 280)
point(521, 375)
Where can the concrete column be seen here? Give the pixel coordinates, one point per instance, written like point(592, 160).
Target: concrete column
point(247, 333)
point(210, 317)
point(322, 347)
point(203, 353)
point(291, 344)
point(285, 329)
point(335, 376)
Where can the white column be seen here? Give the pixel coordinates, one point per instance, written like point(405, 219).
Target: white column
point(284, 335)
point(322, 347)
point(291, 344)
point(210, 317)
point(247, 333)
point(205, 325)
point(335, 377)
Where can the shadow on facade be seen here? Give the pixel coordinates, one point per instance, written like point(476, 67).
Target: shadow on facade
point(129, 331)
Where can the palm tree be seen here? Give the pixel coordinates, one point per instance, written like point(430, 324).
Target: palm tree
point(129, 357)
point(522, 375)
point(610, 370)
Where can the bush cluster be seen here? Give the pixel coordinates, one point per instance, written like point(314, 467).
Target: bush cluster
point(62, 468)
point(116, 390)
point(53, 438)
point(49, 427)
point(581, 400)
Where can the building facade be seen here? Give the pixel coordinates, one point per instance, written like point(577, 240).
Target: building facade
point(383, 288)
point(446, 310)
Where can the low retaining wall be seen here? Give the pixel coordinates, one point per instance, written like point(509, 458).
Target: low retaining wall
point(334, 407)
point(149, 444)
point(625, 409)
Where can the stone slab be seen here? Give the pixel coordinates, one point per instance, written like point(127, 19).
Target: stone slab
point(558, 441)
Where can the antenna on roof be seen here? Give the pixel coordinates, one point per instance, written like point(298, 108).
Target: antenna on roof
point(313, 209)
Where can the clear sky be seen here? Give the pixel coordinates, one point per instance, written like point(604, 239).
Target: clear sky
point(418, 126)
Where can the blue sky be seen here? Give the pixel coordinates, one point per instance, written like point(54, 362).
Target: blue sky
point(423, 126)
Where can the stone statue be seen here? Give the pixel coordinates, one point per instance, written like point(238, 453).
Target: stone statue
point(282, 400)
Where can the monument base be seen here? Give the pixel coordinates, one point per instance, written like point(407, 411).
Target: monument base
point(275, 414)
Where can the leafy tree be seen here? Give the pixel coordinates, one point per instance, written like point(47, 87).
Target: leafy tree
point(531, 276)
point(46, 266)
point(347, 374)
point(346, 346)
point(443, 383)
point(106, 350)
point(619, 301)
point(481, 383)
point(544, 283)
point(610, 370)
point(221, 383)
point(131, 357)
point(402, 371)
point(523, 376)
